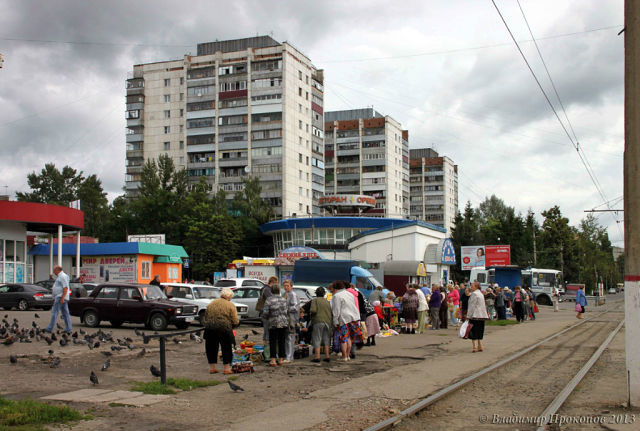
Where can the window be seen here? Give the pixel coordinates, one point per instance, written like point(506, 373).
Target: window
point(299, 107)
point(300, 75)
point(266, 97)
point(202, 72)
point(181, 80)
point(167, 98)
point(110, 292)
point(199, 123)
point(181, 96)
point(300, 124)
point(128, 293)
point(299, 174)
point(167, 82)
point(233, 103)
point(266, 65)
point(167, 113)
point(145, 269)
point(307, 160)
point(167, 146)
point(201, 90)
point(182, 145)
point(300, 191)
point(181, 128)
point(266, 83)
point(307, 95)
point(181, 112)
point(300, 91)
point(200, 106)
point(167, 129)
point(299, 157)
point(233, 86)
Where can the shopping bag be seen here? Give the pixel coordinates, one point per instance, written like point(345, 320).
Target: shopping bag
point(336, 341)
point(535, 308)
point(463, 329)
point(578, 308)
point(363, 328)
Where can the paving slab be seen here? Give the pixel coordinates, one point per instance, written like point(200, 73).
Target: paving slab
point(79, 395)
point(113, 396)
point(144, 400)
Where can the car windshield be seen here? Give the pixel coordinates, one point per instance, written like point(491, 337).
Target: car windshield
point(206, 292)
point(151, 292)
point(225, 283)
point(303, 294)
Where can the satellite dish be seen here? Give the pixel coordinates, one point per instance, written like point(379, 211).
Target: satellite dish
point(247, 169)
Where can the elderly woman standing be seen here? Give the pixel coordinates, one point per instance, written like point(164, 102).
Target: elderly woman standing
point(219, 320)
point(410, 303)
point(423, 307)
point(477, 314)
point(276, 312)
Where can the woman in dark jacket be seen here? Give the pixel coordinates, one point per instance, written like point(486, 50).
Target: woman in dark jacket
point(410, 309)
point(444, 309)
point(277, 314)
point(464, 303)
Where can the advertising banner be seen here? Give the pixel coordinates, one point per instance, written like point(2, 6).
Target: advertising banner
point(472, 257)
point(99, 269)
point(262, 273)
point(497, 255)
point(481, 256)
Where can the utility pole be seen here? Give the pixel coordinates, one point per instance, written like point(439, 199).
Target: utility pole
point(632, 197)
point(535, 252)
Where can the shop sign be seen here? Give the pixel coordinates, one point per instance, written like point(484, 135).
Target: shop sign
point(99, 269)
point(347, 200)
point(299, 252)
point(448, 255)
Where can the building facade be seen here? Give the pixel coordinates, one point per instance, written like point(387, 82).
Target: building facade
point(245, 107)
point(433, 188)
point(368, 153)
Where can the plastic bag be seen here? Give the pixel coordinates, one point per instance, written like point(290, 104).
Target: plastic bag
point(578, 308)
point(462, 333)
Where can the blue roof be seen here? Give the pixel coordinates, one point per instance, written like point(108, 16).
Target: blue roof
point(410, 223)
point(338, 222)
point(111, 248)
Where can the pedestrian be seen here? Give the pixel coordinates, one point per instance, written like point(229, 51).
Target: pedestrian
point(293, 308)
point(277, 315)
point(477, 314)
point(423, 307)
point(490, 301)
point(156, 280)
point(371, 323)
point(444, 308)
point(435, 301)
point(525, 303)
point(532, 303)
point(518, 304)
point(220, 318)
point(265, 293)
point(61, 293)
point(464, 302)
point(454, 304)
point(581, 301)
point(321, 324)
point(555, 298)
point(345, 318)
point(410, 302)
point(500, 304)
point(425, 289)
point(207, 281)
point(376, 295)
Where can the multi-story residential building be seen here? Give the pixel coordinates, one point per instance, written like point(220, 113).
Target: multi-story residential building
point(368, 153)
point(434, 188)
point(239, 107)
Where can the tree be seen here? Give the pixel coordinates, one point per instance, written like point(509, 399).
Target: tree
point(252, 211)
point(94, 204)
point(557, 244)
point(52, 186)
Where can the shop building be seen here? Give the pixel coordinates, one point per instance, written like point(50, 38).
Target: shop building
point(241, 107)
point(128, 262)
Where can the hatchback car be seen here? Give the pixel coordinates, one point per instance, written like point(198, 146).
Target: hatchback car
point(234, 283)
point(199, 295)
point(24, 296)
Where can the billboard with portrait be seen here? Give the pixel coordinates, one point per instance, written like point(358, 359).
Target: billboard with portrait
point(481, 256)
point(472, 257)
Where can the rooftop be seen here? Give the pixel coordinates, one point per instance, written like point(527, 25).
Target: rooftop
point(233, 45)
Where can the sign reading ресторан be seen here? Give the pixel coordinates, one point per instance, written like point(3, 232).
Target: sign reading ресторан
point(347, 201)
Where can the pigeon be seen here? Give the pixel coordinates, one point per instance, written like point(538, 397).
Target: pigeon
point(197, 339)
point(48, 340)
point(132, 347)
point(254, 332)
point(59, 326)
point(154, 371)
point(234, 387)
point(75, 334)
point(106, 365)
point(137, 331)
point(36, 316)
point(246, 337)
point(55, 363)
point(116, 348)
point(93, 378)
point(13, 359)
point(177, 341)
point(63, 342)
point(141, 353)
point(96, 345)
point(8, 341)
point(107, 354)
point(50, 352)
point(128, 339)
point(83, 332)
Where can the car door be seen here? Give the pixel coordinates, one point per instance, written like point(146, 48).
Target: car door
point(106, 302)
point(130, 307)
point(17, 293)
point(250, 299)
point(4, 295)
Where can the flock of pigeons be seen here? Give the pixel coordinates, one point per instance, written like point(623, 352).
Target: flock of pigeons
point(11, 332)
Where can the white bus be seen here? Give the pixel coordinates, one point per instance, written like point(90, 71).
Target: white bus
point(543, 282)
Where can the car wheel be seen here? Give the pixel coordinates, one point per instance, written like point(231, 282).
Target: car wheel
point(23, 305)
point(158, 322)
point(46, 308)
point(182, 325)
point(201, 317)
point(544, 300)
point(90, 318)
point(116, 323)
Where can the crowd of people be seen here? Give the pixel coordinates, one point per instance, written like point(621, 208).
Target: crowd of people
point(349, 321)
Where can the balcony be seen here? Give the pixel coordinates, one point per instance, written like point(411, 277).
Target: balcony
point(201, 165)
point(133, 170)
point(132, 185)
point(240, 161)
point(135, 137)
point(134, 154)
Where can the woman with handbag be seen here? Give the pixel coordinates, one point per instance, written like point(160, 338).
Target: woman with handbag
point(477, 314)
point(581, 302)
point(518, 304)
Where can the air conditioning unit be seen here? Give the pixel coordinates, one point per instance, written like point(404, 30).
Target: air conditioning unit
point(199, 94)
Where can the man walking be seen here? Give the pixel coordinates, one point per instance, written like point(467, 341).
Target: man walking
point(61, 293)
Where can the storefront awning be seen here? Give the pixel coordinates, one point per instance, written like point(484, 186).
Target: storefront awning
point(167, 259)
point(405, 267)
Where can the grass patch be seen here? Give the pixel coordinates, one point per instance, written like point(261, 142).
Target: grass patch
point(500, 322)
point(232, 378)
point(157, 388)
point(30, 414)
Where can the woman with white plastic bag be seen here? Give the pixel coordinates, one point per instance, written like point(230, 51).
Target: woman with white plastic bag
point(476, 315)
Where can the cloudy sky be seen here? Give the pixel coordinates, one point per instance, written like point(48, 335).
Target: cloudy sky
point(447, 70)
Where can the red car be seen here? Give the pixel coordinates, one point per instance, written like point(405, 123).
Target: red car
point(132, 303)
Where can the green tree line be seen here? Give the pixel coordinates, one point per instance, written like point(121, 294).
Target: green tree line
point(213, 230)
point(581, 252)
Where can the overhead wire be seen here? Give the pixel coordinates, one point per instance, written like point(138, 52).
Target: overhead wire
point(574, 144)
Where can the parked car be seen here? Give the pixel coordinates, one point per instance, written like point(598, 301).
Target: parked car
point(234, 283)
point(248, 296)
point(24, 296)
point(132, 303)
point(78, 289)
point(47, 284)
point(199, 295)
point(613, 290)
point(89, 287)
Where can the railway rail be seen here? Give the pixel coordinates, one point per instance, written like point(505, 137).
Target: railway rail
point(552, 350)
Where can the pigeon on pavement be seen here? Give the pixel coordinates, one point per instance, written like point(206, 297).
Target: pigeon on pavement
point(13, 359)
point(93, 378)
point(234, 387)
point(154, 371)
point(106, 365)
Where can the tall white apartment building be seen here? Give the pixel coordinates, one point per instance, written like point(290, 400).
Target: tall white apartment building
point(434, 188)
point(368, 153)
point(240, 107)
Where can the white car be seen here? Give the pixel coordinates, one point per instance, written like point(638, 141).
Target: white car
point(234, 283)
point(199, 295)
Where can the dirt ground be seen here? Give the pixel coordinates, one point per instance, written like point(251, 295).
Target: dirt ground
point(382, 381)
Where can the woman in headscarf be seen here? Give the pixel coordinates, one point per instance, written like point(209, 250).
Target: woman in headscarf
point(410, 309)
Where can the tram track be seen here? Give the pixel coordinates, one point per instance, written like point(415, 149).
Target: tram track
point(521, 385)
